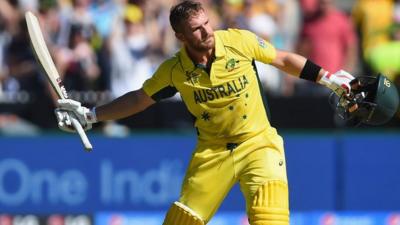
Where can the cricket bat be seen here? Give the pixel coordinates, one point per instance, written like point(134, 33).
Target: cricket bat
point(47, 64)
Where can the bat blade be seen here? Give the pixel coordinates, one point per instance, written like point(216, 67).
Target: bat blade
point(43, 55)
point(44, 58)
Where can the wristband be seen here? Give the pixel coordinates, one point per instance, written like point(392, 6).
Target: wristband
point(310, 71)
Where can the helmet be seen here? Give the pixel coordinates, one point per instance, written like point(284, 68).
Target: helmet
point(372, 101)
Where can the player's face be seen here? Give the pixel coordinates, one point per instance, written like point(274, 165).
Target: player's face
point(197, 32)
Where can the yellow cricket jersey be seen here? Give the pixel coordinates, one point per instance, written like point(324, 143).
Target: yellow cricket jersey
point(228, 102)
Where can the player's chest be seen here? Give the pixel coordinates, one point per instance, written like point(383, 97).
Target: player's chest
point(226, 81)
point(230, 71)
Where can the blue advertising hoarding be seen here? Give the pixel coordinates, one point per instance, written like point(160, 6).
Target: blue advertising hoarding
point(144, 172)
point(222, 218)
point(54, 174)
point(234, 218)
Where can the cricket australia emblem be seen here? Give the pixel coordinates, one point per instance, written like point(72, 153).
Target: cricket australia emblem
point(232, 64)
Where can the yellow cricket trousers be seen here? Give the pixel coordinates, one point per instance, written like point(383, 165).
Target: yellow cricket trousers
point(258, 164)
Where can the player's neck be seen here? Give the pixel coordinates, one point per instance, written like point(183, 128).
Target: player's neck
point(201, 57)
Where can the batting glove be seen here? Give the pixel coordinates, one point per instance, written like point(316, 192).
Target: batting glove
point(70, 109)
point(338, 82)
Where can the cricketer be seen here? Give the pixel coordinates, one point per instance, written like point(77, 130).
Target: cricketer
point(215, 74)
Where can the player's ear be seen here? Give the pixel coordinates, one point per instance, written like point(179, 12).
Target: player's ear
point(180, 36)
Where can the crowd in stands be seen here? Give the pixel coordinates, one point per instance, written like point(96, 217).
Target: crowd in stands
point(105, 48)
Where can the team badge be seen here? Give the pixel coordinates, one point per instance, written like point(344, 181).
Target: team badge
point(231, 64)
point(192, 77)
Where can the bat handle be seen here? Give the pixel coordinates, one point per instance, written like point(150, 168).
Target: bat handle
point(85, 140)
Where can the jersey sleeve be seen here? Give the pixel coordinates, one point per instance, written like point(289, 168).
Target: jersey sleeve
point(160, 85)
point(258, 48)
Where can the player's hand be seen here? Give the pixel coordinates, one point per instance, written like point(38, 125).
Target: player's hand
point(338, 82)
point(68, 110)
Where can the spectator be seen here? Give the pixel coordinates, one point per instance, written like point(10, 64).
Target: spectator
point(308, 8)
point(373, 19)
point(385, 58)
point(70, 29)
point(232, 13)
point(328, 38)
point(23, 72)
point(130, 66)
point(106, 14)
point(162, 41)
point(261, 18)
point(82, 69)
point(76, 13)
point(289, 22)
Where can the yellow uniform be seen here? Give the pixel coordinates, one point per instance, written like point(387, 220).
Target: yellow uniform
point(236, 142)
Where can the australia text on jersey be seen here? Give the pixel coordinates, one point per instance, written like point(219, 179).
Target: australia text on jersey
point(220, 91)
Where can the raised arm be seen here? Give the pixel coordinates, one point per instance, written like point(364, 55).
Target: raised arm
point(121, 107)
point(292, 63)
point(124, 106)
point(299, 66)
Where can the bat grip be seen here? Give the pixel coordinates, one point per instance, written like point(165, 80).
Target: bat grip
point(85, 140)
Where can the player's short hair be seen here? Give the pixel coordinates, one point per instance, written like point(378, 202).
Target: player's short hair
point(182, 11)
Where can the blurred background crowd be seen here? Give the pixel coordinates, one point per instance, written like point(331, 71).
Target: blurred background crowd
point(105, 48)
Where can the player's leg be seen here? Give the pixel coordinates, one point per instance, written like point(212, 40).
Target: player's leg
point(269, 205)
point(180, 214)
point(264, 184)
point(209, 178)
